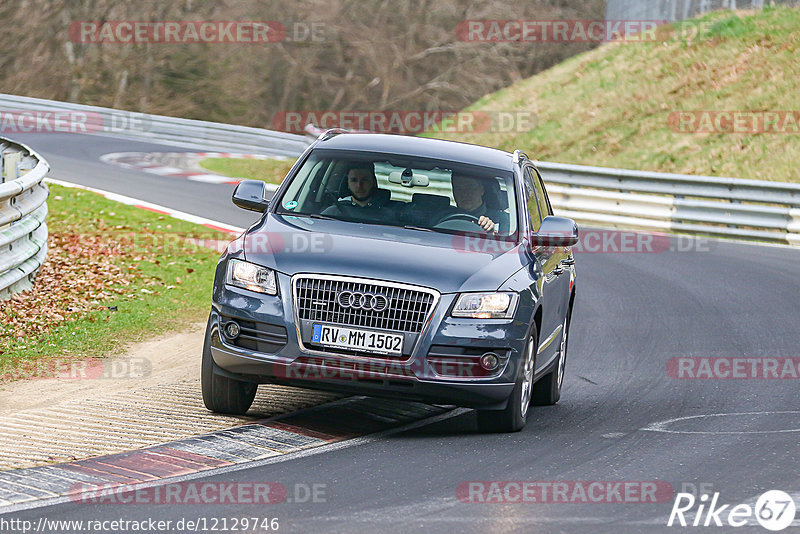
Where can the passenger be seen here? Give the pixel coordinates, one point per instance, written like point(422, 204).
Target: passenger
point(366, 200)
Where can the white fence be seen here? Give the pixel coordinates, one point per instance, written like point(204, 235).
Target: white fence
point(23, 209)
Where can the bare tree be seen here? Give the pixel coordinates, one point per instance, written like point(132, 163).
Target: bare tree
point(373, 55)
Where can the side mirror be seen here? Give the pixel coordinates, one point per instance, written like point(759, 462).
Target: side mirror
point(556, 232)
point(249, 195)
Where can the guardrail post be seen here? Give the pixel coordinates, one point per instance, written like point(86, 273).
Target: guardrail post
point(734, 201)
point(793, 237)
point(11, 166)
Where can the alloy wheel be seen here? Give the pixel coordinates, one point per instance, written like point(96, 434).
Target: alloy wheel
point(527, 383)
point(562, 355)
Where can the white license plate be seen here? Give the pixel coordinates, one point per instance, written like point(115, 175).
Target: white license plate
point(357, 339)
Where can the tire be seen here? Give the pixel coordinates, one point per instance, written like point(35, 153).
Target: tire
point(547, 391)
point(220, 393)
point(515, 414)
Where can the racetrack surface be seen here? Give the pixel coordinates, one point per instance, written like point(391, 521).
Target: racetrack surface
point(633, 313)
point(76, 158)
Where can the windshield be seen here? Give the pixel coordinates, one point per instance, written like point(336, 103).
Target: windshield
point(404, 191)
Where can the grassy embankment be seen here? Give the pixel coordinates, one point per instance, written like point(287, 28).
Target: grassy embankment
point(612, 106)
point(115, 274)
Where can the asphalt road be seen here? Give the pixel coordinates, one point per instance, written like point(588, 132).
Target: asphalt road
point(75, 158)
point(633, 313)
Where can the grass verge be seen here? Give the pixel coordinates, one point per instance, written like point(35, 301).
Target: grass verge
point(114, 274)
point(271, 171)
point(612, 106)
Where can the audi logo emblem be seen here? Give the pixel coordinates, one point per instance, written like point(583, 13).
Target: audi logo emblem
point(358, 300)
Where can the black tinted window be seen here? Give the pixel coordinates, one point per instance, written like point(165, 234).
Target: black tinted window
point(541, 192)
point(533, 198)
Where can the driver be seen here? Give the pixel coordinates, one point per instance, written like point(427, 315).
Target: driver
point(468, 193)
point(365, 201)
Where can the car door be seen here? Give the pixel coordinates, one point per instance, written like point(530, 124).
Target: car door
point(562, 258)
point(548, 262)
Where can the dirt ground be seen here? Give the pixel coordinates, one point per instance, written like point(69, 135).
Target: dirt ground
point(148, 395)
point(171, 358)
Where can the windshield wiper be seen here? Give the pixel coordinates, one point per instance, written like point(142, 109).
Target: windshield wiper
point(407, 226)
point(317, 216)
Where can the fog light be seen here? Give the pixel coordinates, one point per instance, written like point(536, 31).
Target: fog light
point(489, 361)
point(232, 329)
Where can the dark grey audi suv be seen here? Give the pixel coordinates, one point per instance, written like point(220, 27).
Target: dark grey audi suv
point(399, 267)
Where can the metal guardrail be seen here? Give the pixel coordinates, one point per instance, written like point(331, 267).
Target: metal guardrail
point(23, 210)
point(705, 205)
point(185, 133)
point(671, 10)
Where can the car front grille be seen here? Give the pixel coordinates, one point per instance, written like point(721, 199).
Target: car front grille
point(316, 299)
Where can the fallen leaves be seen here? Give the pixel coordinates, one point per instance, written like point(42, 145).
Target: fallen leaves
point(84, 272)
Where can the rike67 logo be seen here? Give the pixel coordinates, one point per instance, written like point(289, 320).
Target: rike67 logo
point(774, 510)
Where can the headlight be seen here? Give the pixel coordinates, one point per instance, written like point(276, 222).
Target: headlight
point(251, 276)
point(486, 305)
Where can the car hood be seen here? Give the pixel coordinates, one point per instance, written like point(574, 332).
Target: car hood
point(448, 263)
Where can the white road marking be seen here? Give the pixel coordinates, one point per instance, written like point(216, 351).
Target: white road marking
point(211, 179)
point(163, 171)
point(662, 425)
point(145, 162)
point(188, 217)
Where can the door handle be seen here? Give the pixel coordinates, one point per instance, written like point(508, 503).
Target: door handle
point(558, 270)
point(568, 261)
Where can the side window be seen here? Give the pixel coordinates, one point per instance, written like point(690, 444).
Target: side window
point(544, 205)
point(532, 198)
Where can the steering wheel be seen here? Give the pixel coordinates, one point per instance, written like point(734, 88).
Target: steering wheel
point(463, 216)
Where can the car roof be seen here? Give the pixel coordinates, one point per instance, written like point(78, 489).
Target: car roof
point(420, 146)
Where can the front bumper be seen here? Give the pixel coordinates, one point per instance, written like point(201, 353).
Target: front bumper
point(283, 360)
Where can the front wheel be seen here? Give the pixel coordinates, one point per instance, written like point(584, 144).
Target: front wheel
point(220, 393)
point(547, 391)
point(515, 414)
